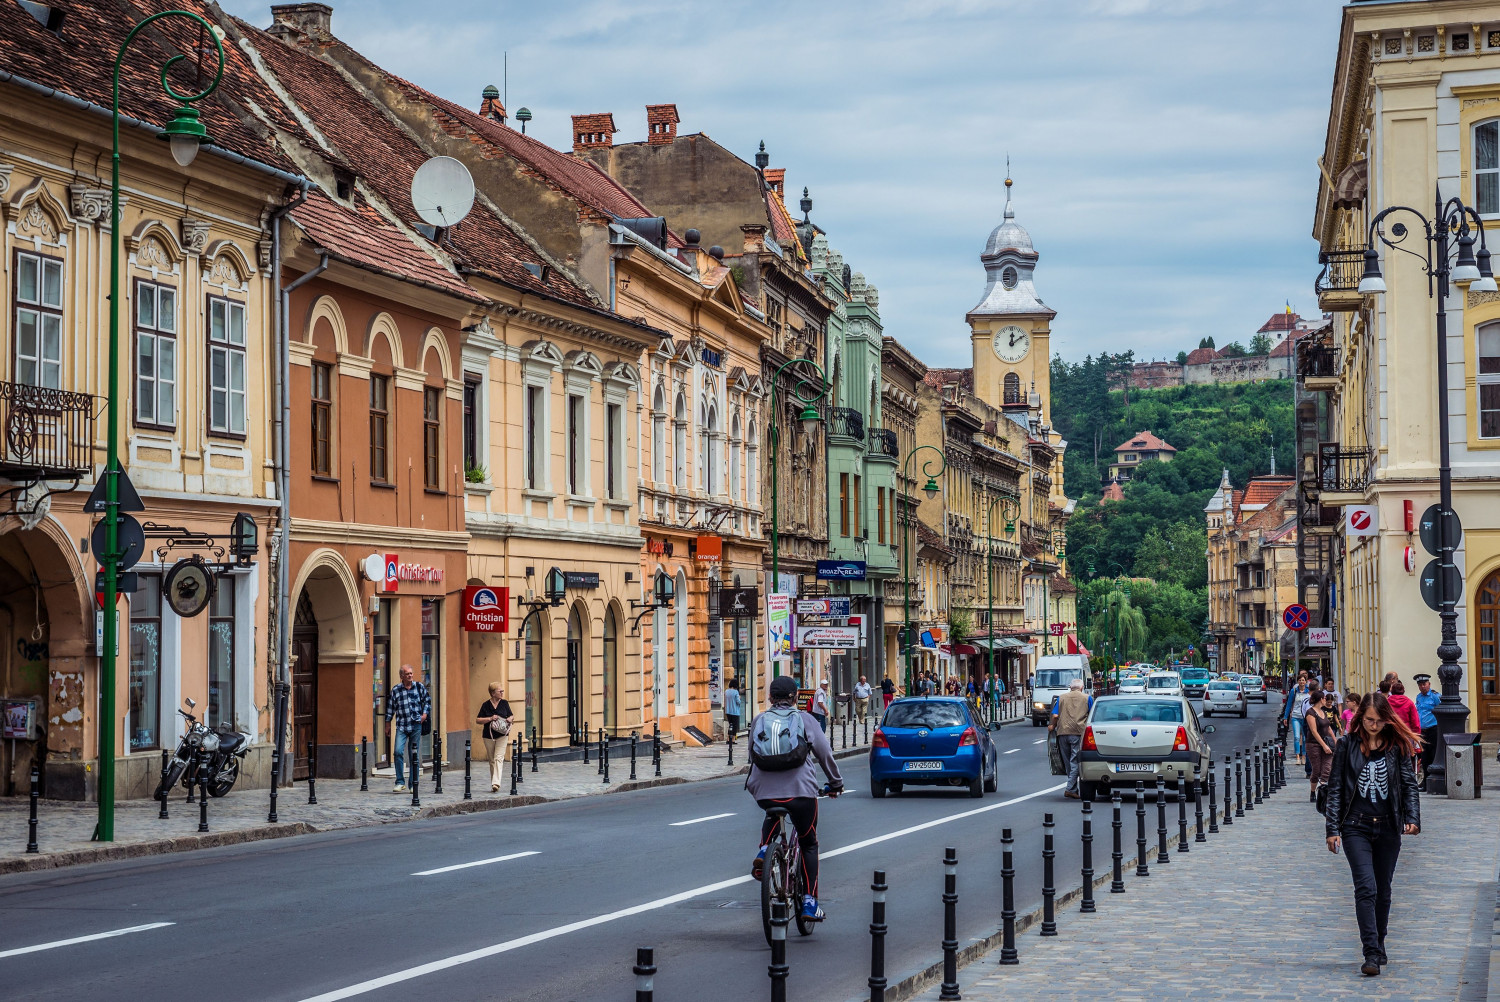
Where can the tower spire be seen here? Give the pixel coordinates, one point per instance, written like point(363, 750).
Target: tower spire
point(1009, 212)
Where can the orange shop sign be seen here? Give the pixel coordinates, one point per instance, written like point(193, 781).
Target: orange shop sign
point(710, 548)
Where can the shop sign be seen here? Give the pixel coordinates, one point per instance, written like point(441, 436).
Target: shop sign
point(710, 549)
point(660, 547)
point(581, 579)
point(711, 356)
point(779, 627)
point(836, 638)
point(739, 603)
point(837, 606)
point(841, 570)
point(486, 609)
point(1320, 636)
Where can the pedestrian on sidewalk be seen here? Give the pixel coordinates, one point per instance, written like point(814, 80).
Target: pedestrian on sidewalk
point(1293, 710)
point(496, 716)
point(1401, 704)
point(407, 707)
point(734, 706)
point(1372, 802)
point(862, 698)
point(1426, 702)
point(1322, 735)
point(887, 691)
point(1351, 707)
point(820, 705)
point(1070, 713)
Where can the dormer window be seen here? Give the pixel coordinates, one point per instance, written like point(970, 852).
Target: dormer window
point(1009, 277)
point(343, 185)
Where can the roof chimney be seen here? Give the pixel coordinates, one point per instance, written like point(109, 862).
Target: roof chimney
point(661, 124)
point(593, 131)
point(776, 181)
point(490, 106)
point(314, 19)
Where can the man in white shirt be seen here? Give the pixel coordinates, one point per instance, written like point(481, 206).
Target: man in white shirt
point(820, 705)
point(862, 698)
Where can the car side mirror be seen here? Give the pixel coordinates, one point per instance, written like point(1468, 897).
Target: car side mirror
point(1208, 728)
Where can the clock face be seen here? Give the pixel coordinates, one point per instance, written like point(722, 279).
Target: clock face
point(1011, 343)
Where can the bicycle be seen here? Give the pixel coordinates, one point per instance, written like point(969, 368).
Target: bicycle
point(782, 878)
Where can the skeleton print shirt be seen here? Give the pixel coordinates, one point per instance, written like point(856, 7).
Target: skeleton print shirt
point(1373, 788)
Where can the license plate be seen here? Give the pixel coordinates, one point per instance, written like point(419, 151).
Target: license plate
point(1135, 767)
point(923, 766)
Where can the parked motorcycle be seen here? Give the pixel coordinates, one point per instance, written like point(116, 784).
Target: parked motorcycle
point(207, 757)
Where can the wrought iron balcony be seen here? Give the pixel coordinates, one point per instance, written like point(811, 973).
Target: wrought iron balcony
point(1317, 364)
point(1014, 396)
point(1337, 285)
point(846, 421)
point(883, 443)
point(1343, 471)
point(48, 433)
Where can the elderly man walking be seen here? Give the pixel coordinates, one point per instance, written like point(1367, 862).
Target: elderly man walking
point(407, 707)
point(1070, 713)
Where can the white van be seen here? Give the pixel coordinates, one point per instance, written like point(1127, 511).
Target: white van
point(1164, 683)
point(1053, 675)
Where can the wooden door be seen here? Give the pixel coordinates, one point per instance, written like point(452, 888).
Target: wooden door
point(304, 699)
point(575, 683)
point(1487, 657)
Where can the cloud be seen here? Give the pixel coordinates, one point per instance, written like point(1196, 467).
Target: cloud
point(1164, 150)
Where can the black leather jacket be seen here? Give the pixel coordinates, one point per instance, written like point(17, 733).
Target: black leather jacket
point(1404, 806)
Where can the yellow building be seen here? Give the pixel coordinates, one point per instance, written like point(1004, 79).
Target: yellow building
point(1252, 572)
point(1415, 109)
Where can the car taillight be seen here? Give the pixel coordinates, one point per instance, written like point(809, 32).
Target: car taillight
point(968, 739)
point(1180, 744)
point(1088, 740)
point(878, 740)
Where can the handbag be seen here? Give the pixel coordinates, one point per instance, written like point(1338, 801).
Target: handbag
point(427, 726)
point(1322, 801)
point(500, 728)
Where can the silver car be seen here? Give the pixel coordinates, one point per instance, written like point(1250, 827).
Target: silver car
point(1224, 696)
point(1255, 687)
point(1130, 738)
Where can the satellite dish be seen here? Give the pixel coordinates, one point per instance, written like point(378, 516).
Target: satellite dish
point(442, 191)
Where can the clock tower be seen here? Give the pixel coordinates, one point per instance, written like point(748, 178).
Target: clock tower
point(1010, 326)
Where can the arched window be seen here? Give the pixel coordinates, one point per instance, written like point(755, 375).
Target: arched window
point(734, 459)
point(1012, 388)
point(1487, 168)
point(680, 644)
point(679, 442)
point(659, 437)
point(610, 668)
point(710, 436)
point(752, 465)
point(1488, 378)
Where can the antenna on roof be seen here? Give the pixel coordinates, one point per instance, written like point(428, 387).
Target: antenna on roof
point(505, 77)
point(442, 192)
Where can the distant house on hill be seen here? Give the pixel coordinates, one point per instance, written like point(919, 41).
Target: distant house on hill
point(1114, 492)
point(1204, 366)
point(1140, 448)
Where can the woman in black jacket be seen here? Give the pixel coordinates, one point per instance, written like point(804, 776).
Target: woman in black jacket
point(1372, 802)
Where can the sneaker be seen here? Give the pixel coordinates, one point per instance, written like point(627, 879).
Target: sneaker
point(400, 788)
point(758, 865)
point(1371, 967)
point(810, 910)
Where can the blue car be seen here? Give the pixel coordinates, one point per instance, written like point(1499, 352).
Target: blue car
point(933, 741)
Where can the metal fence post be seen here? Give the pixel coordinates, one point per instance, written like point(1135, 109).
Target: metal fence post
point(1087, 905)
point(950, 925)
point(468, 764)
point(364, 764)
point(1182, 835)
point(778, 969)
point(1141, 869)
point(1049, 892)
point(312, 773)
point(1162, 856)
point(877, 939)
point(1007, 900)
point(1117, 854)
point(645, 973)
point(1198, 809)
point(166, 764)
point(36, 795)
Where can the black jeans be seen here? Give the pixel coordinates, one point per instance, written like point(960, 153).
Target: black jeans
point(1429, 747)
point(804, 814)
point(1372, 846)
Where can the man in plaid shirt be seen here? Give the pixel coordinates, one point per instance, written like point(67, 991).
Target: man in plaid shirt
point(408, 705)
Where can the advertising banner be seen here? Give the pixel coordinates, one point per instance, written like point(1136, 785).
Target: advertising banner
point(841, 570)
point(739, 603)
point(779, 627)
point(833, 638)
point(486, 609)
point(837, 607)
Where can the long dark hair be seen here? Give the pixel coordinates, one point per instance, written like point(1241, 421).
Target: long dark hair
point(1393, 730)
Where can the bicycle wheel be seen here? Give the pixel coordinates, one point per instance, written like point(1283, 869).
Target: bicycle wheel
point(773, 881)
point(798, 889)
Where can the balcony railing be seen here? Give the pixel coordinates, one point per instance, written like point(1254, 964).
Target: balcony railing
point(1344, 471)
point(1013, 396)
point(846, 421)
point(48, 433)
point(883, 443)
point(1318, 362)
point(1341, 271)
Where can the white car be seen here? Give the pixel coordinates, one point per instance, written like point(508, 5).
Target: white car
point(1132, 684)
point(1223, 696)
point(1164, 683)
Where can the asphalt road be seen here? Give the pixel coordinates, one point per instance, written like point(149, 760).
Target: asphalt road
point(356, 914)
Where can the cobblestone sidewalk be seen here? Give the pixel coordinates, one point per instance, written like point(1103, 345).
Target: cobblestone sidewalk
point(1265, 912)
point(65, 827)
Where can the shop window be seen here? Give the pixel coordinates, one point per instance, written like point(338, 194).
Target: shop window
point(155, 355)
point(322, 419)
point(432, 438)
point(221, 648)
point(432, 647)
point(380, 652)
point(380, 429)
point(39, 317)
point(226, 367)
point(145, 665)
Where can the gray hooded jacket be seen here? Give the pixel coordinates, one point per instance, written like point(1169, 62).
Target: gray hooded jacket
point(799, 782)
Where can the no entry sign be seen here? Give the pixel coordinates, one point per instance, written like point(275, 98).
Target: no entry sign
point(1295, 617)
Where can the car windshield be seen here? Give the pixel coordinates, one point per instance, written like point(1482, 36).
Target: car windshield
point(1162, 682)
point(1158, 711)
point(1056, 678)
point(1223, 685)
point(1251, 680)
point(919, 713)
point(1195, 673)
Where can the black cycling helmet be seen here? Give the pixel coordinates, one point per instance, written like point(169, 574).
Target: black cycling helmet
point(783, 687)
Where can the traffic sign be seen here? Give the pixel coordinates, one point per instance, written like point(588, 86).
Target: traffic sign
point(1427, 529)
point(129, 497)
point(1431, 574)
point(1295, 617)
point(132, 540)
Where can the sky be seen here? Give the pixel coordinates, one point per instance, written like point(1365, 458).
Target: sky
point(1164, 151)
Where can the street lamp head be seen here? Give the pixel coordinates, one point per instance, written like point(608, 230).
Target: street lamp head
point(185, 133)
point(1486, 281)
point(931, 488)
point(1465, 269)
point(809, 418)
point(1371, 282)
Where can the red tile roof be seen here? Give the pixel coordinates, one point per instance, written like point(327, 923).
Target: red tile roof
point(950, 377)
point(1114, 492)
point(1287, 345)
point(782, 226)
point(1263, 490)
point(1144, 440)
point(1283, 321)
point(1200, 355)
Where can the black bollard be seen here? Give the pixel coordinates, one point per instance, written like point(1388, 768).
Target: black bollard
point(437, 763)
point(656, 748)
point(1281, 764)
point(414, 756)
point(312, 773)
point(730, 743)
point(1252, 776)
point(36, 795)
point(1049, 892)
point(600, 751)
point(1007, 900)
point(1182, 835)
point(1087, 905)
point(867, 728)
point(1162, 856)
point(604, 756)
point(778, 969)
point(1141, 869)
point(632, 755)
point(468, 767)
point(202, 805)
point(1239, 787)
point(1213, 801)
point(515, 767)
point(533, 748)
point(1246, 760)
point(1198, 809)
point(364, 764)
point(276, 760)
point(166, 763)
point(877, 939)
point(585, 744)
point(645, 973)
point(843, 733)
point(1117, 854)
point(950, 925)
point(1228, 793)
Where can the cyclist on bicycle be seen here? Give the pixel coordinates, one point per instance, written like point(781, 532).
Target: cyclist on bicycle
point(782, 775)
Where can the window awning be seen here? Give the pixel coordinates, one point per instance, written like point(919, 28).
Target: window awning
point(1001, 643)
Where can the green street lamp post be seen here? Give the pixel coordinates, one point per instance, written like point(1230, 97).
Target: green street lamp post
point(1010, 510)
point(186, 134)
point(1058, 539)
point(931, 489)
point(807, 389)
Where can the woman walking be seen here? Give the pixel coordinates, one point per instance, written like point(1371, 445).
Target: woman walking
point(1294, 710)
point(495, 714)
point(1322, 735)
point(1372, 802)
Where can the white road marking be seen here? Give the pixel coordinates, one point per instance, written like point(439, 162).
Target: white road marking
point(1039, 741)
point(396, 977)
point(82, 939)
point(477, 862)
point(711, 817)
point(1011, 751)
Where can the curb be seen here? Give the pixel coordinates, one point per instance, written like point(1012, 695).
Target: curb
point(156, 847)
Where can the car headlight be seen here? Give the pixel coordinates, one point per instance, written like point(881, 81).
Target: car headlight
point(1040, 706)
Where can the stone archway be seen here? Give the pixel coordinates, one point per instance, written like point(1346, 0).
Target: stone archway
point(327, 642)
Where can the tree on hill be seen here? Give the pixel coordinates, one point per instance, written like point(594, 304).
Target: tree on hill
point(1260, 344)
point(1207, 342)
point(1182, 358)
point(1233, 350)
